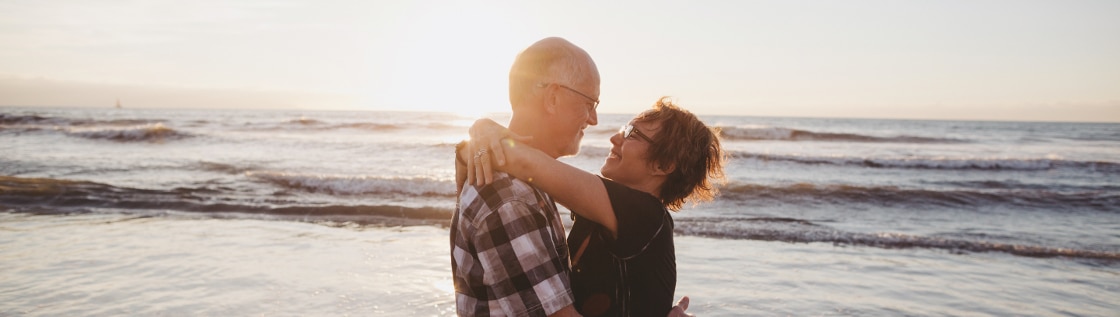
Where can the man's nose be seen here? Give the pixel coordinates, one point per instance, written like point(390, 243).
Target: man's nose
point(593, 117)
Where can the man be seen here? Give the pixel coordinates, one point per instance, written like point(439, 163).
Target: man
point(508, 250)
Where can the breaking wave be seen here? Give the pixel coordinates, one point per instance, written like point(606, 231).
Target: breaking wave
point(802, 231)
point(45, 195)
point(1102, 200)
point(6, 119)
point(57, 196)
point(304, 123)
point(144, 133)
point(358, 185)
point(760, 133)
point(220, 167)
point(120, 130)
point(941, 163)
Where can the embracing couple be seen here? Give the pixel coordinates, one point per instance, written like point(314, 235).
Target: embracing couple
point(509, 254)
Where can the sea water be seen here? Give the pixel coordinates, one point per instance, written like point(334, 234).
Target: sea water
point(259, 212)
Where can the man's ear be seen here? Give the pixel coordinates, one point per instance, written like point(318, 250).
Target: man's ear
point(550, 100)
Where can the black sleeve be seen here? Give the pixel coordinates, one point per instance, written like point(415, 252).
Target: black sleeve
point(640, 217)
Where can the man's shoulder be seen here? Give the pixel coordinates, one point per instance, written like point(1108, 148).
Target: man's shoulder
point(504, 187)
point(475, 200)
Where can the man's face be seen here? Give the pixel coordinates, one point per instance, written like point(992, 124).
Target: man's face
point(576, 110)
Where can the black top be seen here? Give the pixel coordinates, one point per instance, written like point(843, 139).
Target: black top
point(634, 275)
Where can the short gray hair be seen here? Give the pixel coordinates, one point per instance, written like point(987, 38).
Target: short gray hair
point(549, 60)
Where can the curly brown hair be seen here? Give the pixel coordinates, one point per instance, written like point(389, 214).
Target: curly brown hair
point(691, 148)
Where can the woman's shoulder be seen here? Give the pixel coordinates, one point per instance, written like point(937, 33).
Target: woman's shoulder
point(625, 199)
point(616, 189)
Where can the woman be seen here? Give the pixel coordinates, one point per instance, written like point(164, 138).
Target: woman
point(623, 261)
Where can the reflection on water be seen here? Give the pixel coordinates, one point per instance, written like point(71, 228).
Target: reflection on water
point(111, 265)
point(120, 265)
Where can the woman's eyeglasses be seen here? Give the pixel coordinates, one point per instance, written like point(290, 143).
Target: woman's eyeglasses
point(628, 130)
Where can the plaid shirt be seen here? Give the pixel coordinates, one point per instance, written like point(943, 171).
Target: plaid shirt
point(508, 252)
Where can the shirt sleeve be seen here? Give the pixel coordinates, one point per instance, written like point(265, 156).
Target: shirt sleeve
point(460, 169)
point(525, 274)
point(640, 218)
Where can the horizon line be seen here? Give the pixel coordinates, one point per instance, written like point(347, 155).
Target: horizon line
point(1116, 121)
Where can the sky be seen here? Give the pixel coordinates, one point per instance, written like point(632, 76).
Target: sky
point(974, 60)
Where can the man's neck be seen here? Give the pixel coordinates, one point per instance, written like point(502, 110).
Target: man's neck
point(527, 126)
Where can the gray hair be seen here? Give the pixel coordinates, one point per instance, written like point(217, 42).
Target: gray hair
point(551, 60)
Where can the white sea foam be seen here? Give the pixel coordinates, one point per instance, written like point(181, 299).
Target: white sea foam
point(935, 162)
point(358, 185)
point(802, 231)
point(762, 132)
point(147, 132)
point(757, 132)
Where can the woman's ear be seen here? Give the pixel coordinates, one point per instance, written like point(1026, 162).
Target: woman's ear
point(663, 169)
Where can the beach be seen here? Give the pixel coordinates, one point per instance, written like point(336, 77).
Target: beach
point(151, 212)
point(175, 265)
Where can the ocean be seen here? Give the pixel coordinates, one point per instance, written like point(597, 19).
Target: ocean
point(107, 212)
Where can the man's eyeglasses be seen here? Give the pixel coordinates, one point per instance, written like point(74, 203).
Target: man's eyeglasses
point(629, 129)
point(594, 102)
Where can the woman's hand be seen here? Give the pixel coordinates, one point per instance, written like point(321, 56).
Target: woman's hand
point(488, 140)
point(678, 310)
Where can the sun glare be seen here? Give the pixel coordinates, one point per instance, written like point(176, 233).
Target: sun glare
point(452, 58)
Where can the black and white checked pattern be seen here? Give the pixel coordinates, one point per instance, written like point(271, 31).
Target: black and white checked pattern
point(508, 252)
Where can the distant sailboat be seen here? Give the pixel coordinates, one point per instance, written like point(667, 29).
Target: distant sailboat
point(118, 103)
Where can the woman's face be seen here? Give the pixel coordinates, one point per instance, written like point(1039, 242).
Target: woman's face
point(628, 162)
